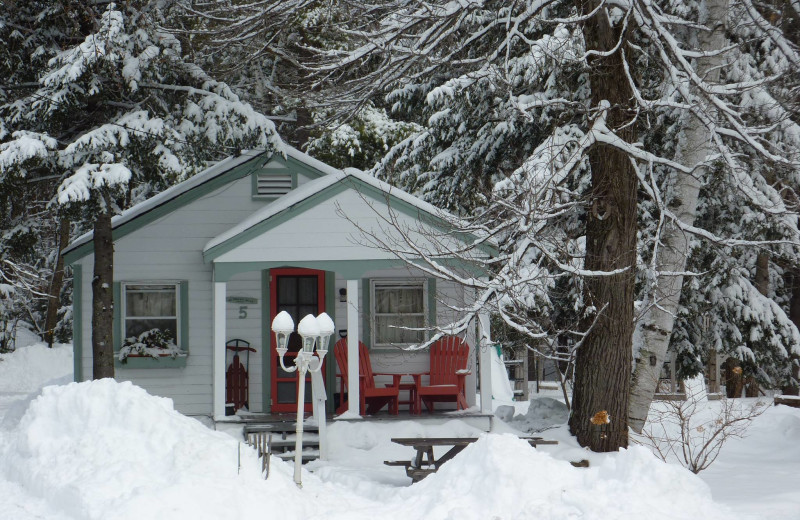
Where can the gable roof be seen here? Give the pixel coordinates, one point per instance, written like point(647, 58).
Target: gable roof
point(193, 188)
point(300, 199)
point(328, 181)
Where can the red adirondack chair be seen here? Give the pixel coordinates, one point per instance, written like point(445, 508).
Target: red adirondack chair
point(372, 398)
point(448, 371)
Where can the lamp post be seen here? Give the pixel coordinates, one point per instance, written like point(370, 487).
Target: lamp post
point(313, 331)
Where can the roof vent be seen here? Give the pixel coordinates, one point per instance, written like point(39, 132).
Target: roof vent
point(273, 185)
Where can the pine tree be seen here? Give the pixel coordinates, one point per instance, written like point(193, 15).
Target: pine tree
point(117, 114)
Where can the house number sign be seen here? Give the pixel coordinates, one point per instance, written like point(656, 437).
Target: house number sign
point(243, 302)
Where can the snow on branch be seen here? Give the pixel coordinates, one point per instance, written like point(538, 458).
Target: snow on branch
point(24, 146)
point(79, 186)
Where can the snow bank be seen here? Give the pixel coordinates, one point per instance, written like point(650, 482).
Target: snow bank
point(757, 475)
point(24, 370)
point(543, 413)
point(501, 476)
point(108, 450)
point(103, 449)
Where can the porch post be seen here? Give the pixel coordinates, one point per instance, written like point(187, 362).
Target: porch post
point(218, 387)
point(484, 344)
point(353, 398)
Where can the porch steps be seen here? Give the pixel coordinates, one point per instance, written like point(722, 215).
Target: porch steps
point(283, 439)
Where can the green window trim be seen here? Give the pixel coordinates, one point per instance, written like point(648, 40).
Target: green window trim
point(429, 299)
point(182, 323)
point(432, 307)
point(77, 322)
point(366, 312)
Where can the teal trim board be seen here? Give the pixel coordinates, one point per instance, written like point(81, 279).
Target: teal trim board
point(347, 269)
point(300, 167)
point(366, 312)
point(150, 362)
point(77, 322)
point(330, 366)
point(266, 343)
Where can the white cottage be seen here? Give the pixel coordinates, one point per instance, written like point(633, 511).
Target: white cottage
point(218, 255)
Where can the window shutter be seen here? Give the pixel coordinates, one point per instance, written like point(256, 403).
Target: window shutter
point(273, 185)
point(366, 312)
point(432, 302)
point(77, 322)
point(184, 317)
point(117, 327)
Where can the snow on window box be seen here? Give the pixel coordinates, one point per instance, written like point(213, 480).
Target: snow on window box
point(154, 343)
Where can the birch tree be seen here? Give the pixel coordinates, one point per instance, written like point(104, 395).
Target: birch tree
point(695, 150)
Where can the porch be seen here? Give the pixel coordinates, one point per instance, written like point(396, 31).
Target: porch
point(329, 246)
point(271, 421)
point(246, 297)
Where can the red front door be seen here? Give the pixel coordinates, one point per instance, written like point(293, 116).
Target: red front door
point(298, 292)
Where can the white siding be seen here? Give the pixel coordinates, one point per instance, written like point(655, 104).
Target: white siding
point(170, 248)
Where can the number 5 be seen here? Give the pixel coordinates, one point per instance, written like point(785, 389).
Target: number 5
point(243, 312)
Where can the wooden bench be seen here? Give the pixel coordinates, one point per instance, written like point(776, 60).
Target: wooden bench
point(788, 400)
point(424, 462)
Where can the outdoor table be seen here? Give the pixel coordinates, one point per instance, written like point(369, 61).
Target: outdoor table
point(424, 462)
point(412, 403)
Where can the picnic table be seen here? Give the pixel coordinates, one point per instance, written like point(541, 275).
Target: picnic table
point(424, 462)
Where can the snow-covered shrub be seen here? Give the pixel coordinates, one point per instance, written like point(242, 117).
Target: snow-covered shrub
point(692, 433)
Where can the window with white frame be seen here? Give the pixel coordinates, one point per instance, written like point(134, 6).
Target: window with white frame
point(398, 307)
point(148, 306)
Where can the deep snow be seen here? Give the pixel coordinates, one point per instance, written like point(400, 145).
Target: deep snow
point(109, 450)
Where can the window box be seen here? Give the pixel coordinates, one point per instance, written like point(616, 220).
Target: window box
point(137, 361)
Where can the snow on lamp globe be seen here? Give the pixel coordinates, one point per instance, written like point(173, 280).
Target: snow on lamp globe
point(313, 331)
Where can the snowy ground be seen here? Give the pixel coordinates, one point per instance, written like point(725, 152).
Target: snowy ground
point(107, 450)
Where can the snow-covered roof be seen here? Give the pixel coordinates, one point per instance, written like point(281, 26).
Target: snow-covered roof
point(311, 188)
point(171, 193)
point(330, 177)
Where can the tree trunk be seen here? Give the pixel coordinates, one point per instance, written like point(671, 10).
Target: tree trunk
point(734, 381)
point(103, 295)
point(751, 388)
point(662, 303)
point(793, 281)
point(762, 274)
point(53, 293)
point(603, 361)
